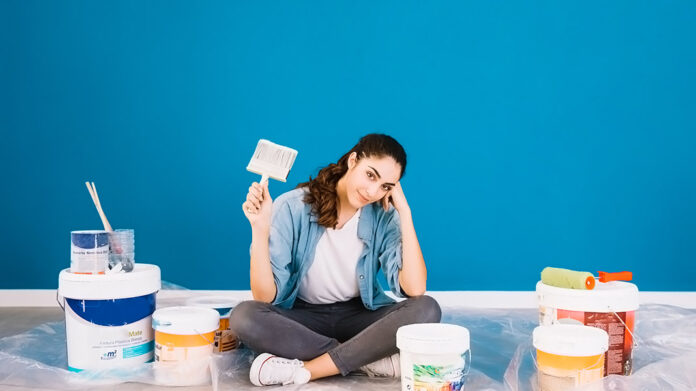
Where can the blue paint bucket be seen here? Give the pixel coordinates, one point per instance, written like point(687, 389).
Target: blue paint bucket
point(108, 318)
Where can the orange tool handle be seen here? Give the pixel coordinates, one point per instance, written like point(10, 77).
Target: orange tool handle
point(618, 276)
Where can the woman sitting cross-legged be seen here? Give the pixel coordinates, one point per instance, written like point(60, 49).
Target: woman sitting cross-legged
point(316, 251)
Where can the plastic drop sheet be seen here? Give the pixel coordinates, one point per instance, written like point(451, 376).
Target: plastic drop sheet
point(502, 357)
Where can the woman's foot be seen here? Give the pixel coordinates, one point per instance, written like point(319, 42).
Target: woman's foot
point(268, 369)
point(385, 367)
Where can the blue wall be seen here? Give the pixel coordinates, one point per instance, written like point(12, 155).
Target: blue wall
point(545, 133)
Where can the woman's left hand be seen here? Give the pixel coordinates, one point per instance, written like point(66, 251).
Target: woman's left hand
point(397, 198)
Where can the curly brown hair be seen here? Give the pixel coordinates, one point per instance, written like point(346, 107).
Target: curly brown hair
point(322, 195)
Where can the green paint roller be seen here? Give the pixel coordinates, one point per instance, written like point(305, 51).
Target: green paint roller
point(564, 278)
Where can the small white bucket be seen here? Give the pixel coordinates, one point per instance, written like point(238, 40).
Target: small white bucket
point(434, 356)
point(569, 355)
point(108, 317)
point(225, 340)
point(184, 339)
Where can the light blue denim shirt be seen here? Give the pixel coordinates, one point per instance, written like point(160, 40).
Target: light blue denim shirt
point(295, 233)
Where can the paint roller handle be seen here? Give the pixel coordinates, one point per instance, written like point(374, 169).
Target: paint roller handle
point(618, 276)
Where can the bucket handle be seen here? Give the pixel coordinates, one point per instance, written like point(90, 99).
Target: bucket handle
point(468, 360)
point(156, 323)
point(59, 301)
point(633, 336)
point(202, 336)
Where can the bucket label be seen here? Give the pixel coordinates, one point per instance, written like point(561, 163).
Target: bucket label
point(551, 379)
point(618, 359)
point(89, 251)
point(92, 345)
point(448, 375)
point(181, 363)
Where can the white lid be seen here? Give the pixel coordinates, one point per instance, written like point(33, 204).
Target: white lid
point(143, 280)
point(222, 304)
point(185, 320)
point(433, 338)
point(570, 340)
point(613, 296)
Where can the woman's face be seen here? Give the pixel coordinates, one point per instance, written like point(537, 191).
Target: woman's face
point(369, 179)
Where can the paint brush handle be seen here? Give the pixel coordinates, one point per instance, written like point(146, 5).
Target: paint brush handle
point(618, 276)
point(95, 198)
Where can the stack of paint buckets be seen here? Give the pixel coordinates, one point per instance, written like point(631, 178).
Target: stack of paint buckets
point(111, 321)
point(610, 307)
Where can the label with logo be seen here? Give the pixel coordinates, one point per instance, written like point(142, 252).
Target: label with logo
point(97, 340)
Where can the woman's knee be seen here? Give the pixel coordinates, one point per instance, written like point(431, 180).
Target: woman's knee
point(426, 309)
point(243, 317)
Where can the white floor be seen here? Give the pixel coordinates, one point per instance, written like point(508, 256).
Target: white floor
point(500, 325)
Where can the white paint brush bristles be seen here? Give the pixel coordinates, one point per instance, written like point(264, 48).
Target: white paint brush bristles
point(272, 160)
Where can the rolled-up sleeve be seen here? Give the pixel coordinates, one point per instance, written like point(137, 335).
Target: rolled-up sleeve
point(280, 249)
point(390, 253)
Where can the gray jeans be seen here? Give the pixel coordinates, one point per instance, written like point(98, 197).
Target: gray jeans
point(352, 334)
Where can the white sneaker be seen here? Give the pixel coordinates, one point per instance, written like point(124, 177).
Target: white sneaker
point(385, 367)
point(268, 369)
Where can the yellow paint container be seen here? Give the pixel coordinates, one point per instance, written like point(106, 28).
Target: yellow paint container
point(184, 340)
point(569, 355)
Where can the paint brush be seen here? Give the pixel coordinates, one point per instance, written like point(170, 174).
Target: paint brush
point(117, 248)
point(271, 160)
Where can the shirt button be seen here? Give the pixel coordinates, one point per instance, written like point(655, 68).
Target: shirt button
point(362, 277)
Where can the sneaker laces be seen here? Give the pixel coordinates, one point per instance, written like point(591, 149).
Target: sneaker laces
point(282, 370)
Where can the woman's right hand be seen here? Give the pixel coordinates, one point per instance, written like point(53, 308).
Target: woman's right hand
point(258, 206)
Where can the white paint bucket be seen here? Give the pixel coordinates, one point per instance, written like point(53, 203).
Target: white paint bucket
point(610, 306)
point(569, 355)
point(225, 340)
point(108, 318)
point(434, 356)
point(184, 340)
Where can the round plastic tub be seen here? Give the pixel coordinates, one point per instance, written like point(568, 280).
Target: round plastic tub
point(569, 355)
point(434, 356)
point(108, 317)
point(184, 339)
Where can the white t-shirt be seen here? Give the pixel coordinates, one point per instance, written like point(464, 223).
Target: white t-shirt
point(332, 276)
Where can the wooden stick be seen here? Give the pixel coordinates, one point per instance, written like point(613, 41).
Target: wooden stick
point(95, 199)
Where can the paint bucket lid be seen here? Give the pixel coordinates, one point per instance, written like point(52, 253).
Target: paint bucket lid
point(222, 304)
point(433, 338)
point(143, 280)
point(613, 296)
point(185, 320)
point(570, 340)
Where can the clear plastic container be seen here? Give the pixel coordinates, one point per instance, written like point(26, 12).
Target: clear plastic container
point(122, 249)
